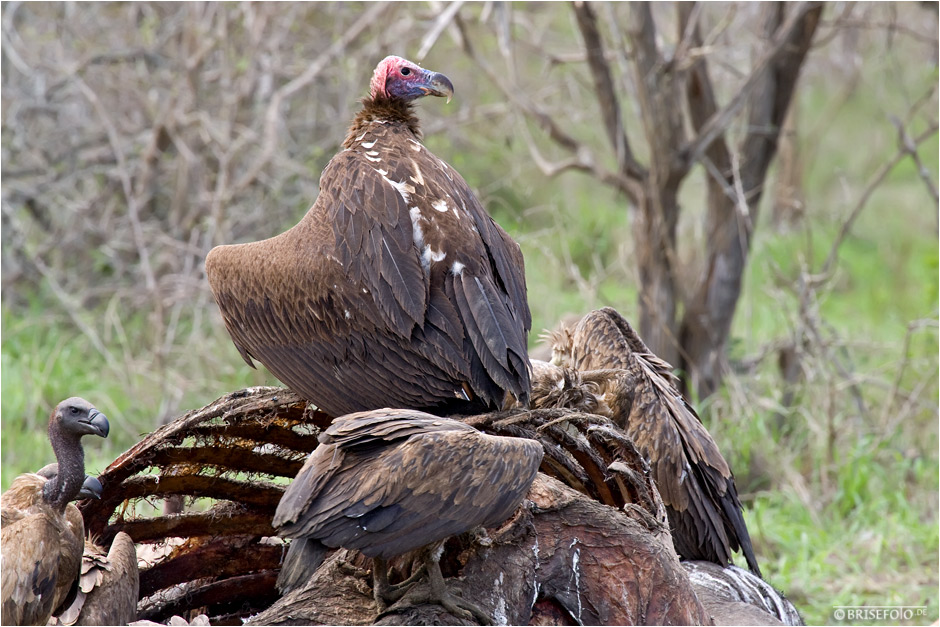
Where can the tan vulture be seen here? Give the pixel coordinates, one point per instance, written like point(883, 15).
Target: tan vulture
point(695, 481)
point(391, 481)
point(106, 591)
point(108, 586)
point(41, 546)
point(396, 289)
point(91, 489)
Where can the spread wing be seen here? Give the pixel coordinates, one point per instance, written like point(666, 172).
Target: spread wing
point(692, 476)
point(383, 427)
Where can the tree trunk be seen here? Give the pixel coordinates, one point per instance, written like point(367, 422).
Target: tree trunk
point(734, 194)
point(658, 209)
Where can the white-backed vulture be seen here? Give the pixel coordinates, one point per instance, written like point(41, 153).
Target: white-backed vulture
point(108, 586)
point(42, 549)
point(695, 481)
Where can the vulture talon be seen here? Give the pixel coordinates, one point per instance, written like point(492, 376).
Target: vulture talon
point(387, 594)
point(454, 604)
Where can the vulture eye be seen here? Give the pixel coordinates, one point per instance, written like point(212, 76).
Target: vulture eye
point(405, 71)
point(74, 410)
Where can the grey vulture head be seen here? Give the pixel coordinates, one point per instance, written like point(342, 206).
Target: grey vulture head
point(91, 487)
point(396, 289)
point(391, 481)
point(695, 481)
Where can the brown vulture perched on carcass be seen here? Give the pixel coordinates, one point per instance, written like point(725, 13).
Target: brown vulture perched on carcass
point(396, 289)
point(391, 481)
point(695, 481)
point(42, 537)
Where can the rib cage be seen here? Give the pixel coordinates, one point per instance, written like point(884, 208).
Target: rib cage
point(232, 461)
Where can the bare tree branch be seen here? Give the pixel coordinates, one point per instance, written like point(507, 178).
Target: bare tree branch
point(604, 88)
point(718, 123)
point(444, 19)
point(876, 180)
point(909, 148)
point(583, 159)
point(133, 200)
point(367, 19)
point(699, 91)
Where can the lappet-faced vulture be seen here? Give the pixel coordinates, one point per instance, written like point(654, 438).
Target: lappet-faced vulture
point(396, 289)
point(695, 481)
point(391, 481)
point(41, 546)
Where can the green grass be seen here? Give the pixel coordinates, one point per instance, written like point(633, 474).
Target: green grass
point(45, 360)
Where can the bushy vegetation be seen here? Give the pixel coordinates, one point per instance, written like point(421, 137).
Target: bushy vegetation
point(837, 462)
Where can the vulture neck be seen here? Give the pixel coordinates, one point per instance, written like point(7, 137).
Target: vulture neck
point(66, 485)
point(385, 110)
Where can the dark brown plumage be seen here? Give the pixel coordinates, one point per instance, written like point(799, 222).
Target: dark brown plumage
point(693, 478)
point(391, 481)
point(396, 288)
point(108, 586)
point(41, 538)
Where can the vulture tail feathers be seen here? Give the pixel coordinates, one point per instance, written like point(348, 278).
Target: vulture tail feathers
point(304, 556)
point(732, 510)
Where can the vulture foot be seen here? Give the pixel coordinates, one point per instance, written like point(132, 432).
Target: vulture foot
point(385, 593)
point(452, 603)
point(352, 570)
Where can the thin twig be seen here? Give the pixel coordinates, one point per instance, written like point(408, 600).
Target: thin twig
point(907, 145)
point(873, 184)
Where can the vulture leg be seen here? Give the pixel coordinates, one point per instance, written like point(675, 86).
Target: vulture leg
point(450, 602)
point(386, 594)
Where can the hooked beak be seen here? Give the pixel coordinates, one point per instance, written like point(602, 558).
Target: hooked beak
point(439, 85)
point(99, 423)
point(91, 489)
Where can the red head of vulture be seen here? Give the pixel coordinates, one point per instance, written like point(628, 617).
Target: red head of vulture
point(693, 478)
point(396, 289)
point(42, 539)
point(390, 481)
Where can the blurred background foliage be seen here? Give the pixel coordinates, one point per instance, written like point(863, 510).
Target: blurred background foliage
point(136, 136)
